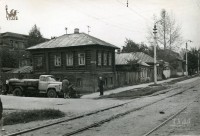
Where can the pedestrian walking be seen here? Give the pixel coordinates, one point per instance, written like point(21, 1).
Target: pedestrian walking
point(65, 87)
point(101, 84)
point(1, 119)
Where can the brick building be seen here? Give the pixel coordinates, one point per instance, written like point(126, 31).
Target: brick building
point(16, 43)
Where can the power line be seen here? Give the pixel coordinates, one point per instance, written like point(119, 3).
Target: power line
point(134, 11)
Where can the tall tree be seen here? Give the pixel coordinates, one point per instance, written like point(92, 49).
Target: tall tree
point(35, 37)
point(131, 46)
point(168, 31)
point(192, 60)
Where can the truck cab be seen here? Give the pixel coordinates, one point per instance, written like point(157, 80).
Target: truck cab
point(49, 85)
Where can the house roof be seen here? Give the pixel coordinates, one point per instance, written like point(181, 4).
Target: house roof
point(125, 58)
point(11, 34)
point(71, 40)
point(174, 54)
point(144, 57)
point(25, 69)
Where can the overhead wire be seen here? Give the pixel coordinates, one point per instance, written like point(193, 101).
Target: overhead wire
point(134, 11)
point(107, 23)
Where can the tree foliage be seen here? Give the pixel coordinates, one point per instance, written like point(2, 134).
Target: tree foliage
point(8, 59)
point(131, 46)
point(35, 37)
point(168, 31)
point(192, 60)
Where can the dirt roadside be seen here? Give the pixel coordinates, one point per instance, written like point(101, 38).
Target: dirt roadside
point(69, 106)
point(186, 123)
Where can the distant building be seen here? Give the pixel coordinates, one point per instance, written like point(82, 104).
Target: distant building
point(17, 43)
point(176, 63)
point(13, 41)
point(79, 56)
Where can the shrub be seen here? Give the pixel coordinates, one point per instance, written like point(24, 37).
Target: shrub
point(32, 115)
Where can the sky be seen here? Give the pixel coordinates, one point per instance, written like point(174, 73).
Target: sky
point(109, 20)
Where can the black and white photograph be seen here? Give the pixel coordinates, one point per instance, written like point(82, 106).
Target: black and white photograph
point(99, 67)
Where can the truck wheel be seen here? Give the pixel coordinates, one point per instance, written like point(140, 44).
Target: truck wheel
point(17, 92)
point(51, 93)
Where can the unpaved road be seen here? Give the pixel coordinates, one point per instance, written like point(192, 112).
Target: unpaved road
point(134, 124)
point(140, 122)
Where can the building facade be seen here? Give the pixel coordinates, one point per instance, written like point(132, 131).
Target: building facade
point(79, 56)
point(16, 43)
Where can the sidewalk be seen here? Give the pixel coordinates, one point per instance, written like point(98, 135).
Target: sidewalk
point(121, 89)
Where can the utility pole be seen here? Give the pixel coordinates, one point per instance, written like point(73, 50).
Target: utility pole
point(198, 61)
point(164, 29)
point(154, 59)
point(186, 66)
point(88, 29)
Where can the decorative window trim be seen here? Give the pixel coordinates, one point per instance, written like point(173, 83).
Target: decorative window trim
point(110, 59)
point(105, 59)
point(57, 60)
point(81, 59)
point(39, 62)
point(99, 58)
point(69, 59)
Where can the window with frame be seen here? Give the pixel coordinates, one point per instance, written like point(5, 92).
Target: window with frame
point(99, 56)
point(105, 61)
point(39, 62)
point(69, 59)
point(57, 60)
point(110, 59)
point(81, 59)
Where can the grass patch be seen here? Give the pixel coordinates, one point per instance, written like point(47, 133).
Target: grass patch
point(31, 115)
point(135, 93)
point(181, 79)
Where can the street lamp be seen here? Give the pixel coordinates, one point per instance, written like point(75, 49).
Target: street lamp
point(154, 58)
point(186, 66)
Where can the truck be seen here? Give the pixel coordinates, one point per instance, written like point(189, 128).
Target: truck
point(46, 84)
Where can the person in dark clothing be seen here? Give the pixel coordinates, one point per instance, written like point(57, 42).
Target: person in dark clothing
point(65, 87)
point(1, 119)
point(101, 84)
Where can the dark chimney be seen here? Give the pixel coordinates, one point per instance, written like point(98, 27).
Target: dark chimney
point(66, 29)
point(76, 30)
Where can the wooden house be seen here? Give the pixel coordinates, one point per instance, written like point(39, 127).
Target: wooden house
point(130, 69)
point(79, 56)
point(135, 67)
point(149, 60)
